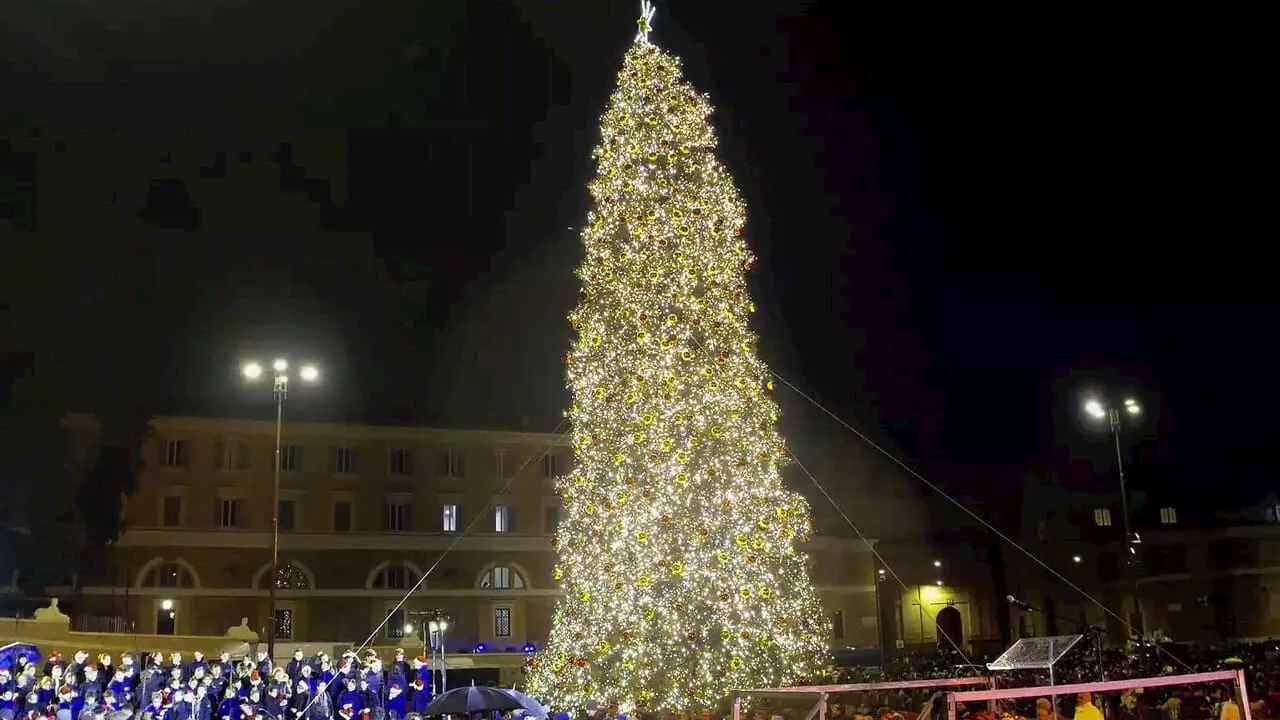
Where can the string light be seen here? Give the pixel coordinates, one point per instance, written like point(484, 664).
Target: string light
point(678, 550)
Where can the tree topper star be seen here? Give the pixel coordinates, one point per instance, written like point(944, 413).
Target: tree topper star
point(646, 20)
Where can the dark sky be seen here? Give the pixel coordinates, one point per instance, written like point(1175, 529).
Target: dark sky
point(960, 232)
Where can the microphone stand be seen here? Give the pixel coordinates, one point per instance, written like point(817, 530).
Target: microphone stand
point(1092, 630)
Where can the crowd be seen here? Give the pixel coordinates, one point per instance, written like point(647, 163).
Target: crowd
point(1083, 665)
point(156, 687)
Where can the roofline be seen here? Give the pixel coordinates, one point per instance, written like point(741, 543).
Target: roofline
point(170, 423)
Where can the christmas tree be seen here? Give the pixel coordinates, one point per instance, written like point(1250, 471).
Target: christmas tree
point(677, 552)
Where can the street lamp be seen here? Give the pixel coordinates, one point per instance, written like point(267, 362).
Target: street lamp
point(279, 391)
point(438, 624)
point(1113, 414)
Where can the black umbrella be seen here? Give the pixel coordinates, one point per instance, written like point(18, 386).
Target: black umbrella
point(472, 699)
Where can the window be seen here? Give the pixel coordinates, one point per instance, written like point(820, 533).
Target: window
point(550, 518)
point(1168, 516)
point(449, 518)
point(395, 576)
point(231, 455)
point(504, 519)
point(551, 466)
point(503, 467)
point(286, 514)
point(837, 625)
point(1102, 517)
point(401, 461)
point(395, 625)
point(450, 464)
point(502, 622)
point(502, 578)
point(397, 515)
point(288, 577)
point(175, 453)
point(342, 516)
point(228, 513)
point(284, 624)
point(290, 458)
point(168, 575)
point(171, 515)
point(343, 461)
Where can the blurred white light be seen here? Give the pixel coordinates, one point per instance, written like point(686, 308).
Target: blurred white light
point(1094, 408)
point(1132, 408)
point(1130, 401)
point(881, 571)
point(937, 563)
point(408, 629)
point(309, 373)
point(166, 605)
point(252, 370)
point(939, 583)
point(1075, 558)
point(433, 626)
point(280, 365)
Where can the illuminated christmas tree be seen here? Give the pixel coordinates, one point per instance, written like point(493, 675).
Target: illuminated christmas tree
point(677, 552)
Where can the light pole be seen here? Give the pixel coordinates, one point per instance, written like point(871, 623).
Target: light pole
point(279, 391)
point(438, 625)
point(1113, 415)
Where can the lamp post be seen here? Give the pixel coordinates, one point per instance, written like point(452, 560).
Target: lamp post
point(279, 391)
point(438, 624)
point(1113, 415)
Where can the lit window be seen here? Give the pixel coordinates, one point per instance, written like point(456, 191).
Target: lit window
point(1102, 517)
point(449, 518)
point(284, 624)
point(504, 519)
point(288, 577)
point(1168, 516)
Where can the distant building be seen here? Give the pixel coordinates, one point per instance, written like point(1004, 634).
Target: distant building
point(364, 513)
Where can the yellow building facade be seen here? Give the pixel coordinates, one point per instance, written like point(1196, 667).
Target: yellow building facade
point(462, 518)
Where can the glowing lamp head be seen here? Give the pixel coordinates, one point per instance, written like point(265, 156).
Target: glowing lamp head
point(280, 365)
point(939, 583)
point(251, 371)
point(937, 563)
point(1094, 408)
point(309, 373)
point(1131, 406)
point(166, 605)
point(408, 629)
point(1075, 558)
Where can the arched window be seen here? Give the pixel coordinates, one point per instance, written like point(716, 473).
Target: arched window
point(289, 576)
point(501, 577)
point(400, 575)
point(164, 573)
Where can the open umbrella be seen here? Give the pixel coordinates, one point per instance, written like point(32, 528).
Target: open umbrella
point(472, 699)
point(529, 707)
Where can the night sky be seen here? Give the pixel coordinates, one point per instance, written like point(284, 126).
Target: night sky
point(960, 233)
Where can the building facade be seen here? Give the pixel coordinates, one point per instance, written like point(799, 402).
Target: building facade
point(464, 519)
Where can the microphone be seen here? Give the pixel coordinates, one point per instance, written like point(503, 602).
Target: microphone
point(1018, 603)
